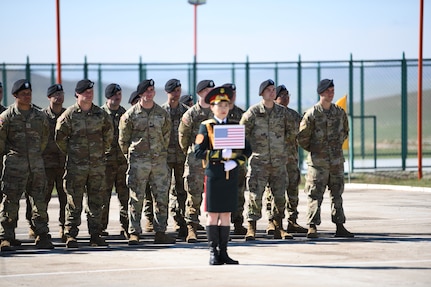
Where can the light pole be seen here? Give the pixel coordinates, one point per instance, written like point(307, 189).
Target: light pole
point(195, 4)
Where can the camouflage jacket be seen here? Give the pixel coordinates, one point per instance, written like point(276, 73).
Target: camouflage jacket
point(52, 155)
point(175, 154)
point(292, 149)
point(23, 138)
point(269, 133)
point(84, 137)
point(189, 126)
point(322, 133)
point(115, 154)
point(145, 135)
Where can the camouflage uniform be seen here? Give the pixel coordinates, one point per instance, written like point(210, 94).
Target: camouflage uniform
point(176, 160)
point(23, 137)
point(115, 174)
point(54, 161)
point(269, 134)
point(235, 115)
point(144, 138)
point(84, 137)
point(193, 170)
point(322, 133)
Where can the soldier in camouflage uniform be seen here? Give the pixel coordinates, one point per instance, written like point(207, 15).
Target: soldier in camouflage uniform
point(116, 163)
point(322, 131)
point(144, 135)
point(193, 169)
point(293, 172)
point(24, 134)
point(2, 109)
point(237, 218)
point(176, 157)
point(269, 128)
point(53, 158)
point(84, 132)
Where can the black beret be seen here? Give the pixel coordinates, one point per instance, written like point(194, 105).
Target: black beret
point(143, 86)
point(133, 96)
point(219, 94)
point(204, 84)
point(171, 85)
point(324, 84)
point(186, 98)
point(83, 85)
point(111, 90)
point(230, 85)
point(280, 89)
point(53, 89)
point(20, 85)
point(264, 85)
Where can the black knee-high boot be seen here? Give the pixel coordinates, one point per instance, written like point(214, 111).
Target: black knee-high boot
point(213, 242)
point(224, 239)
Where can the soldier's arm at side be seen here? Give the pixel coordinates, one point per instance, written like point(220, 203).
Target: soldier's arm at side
point(124, 135)
point(108, 132)
point(184, 132)
point(3, 134)
point(304, 134)
point(62, 132)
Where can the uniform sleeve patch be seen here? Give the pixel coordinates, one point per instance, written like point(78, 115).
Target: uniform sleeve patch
point(199, 139)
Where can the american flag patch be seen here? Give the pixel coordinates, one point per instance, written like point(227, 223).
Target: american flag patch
point(229, 136)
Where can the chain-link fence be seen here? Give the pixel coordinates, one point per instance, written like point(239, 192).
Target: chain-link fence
point(382, 95)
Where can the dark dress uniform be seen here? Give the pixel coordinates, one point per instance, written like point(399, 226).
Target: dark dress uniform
point(221, 189)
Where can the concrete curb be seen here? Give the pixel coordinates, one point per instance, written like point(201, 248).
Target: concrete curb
point(386, 186)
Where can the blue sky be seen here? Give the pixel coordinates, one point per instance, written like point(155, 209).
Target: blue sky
point(228, 30)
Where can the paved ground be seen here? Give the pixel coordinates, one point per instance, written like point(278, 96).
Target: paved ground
point(392, 247)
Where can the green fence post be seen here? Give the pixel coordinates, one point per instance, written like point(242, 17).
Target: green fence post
point(233, 73)
point(319, 70)
point(404, 112)
point(28, 70)
point(362, 112)
point(4, 85)
point(247, 84)
point(52, 74)
point(141, 77)
point(351, 137)
point(276, 74)
point(99, 85)
point(299, 84)
point(85, 68)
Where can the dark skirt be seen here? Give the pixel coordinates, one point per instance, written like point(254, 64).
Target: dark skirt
point(221, 195)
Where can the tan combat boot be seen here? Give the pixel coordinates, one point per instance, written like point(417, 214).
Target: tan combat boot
point(191, 236)
point(279, 232)
point(294, 227)
point(251, 231)
point(270, 229)
point(6, 246)
point(149, 225)
point(312, 231)
point(133, 239)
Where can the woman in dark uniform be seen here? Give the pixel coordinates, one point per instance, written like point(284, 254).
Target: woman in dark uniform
point(221, 176)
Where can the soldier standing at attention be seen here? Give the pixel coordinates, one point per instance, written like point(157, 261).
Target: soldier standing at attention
point(24, 132)
point(237, 218)
point(293, 172)
point(84, 133)
point(193, 171)
point(116, 163)
point(53, 158)
point(269, 130)
point(221, 176)
point(176, 157)
point(322, 131)
point(145, 130)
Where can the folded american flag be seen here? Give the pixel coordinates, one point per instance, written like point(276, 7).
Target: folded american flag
point(229, 136)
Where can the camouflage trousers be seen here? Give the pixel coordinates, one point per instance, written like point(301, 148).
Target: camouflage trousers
point(142, 172)
point(238, 216)
point(317, 179)
point(259, 177)
point(293, 180)
point(16, 181)
point(177, 193)
point(77, 182)
point(115, 177)
point(194, 186)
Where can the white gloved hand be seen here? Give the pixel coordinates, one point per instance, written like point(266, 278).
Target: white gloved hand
point(229, 165)
point(226, 153)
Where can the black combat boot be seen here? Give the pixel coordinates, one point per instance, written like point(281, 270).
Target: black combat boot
point(213, 242)
point(342, 231)
point(224, 239)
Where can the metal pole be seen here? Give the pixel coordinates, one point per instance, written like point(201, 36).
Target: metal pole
point(421, 21)
point(58, 42)
point(195, 50)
